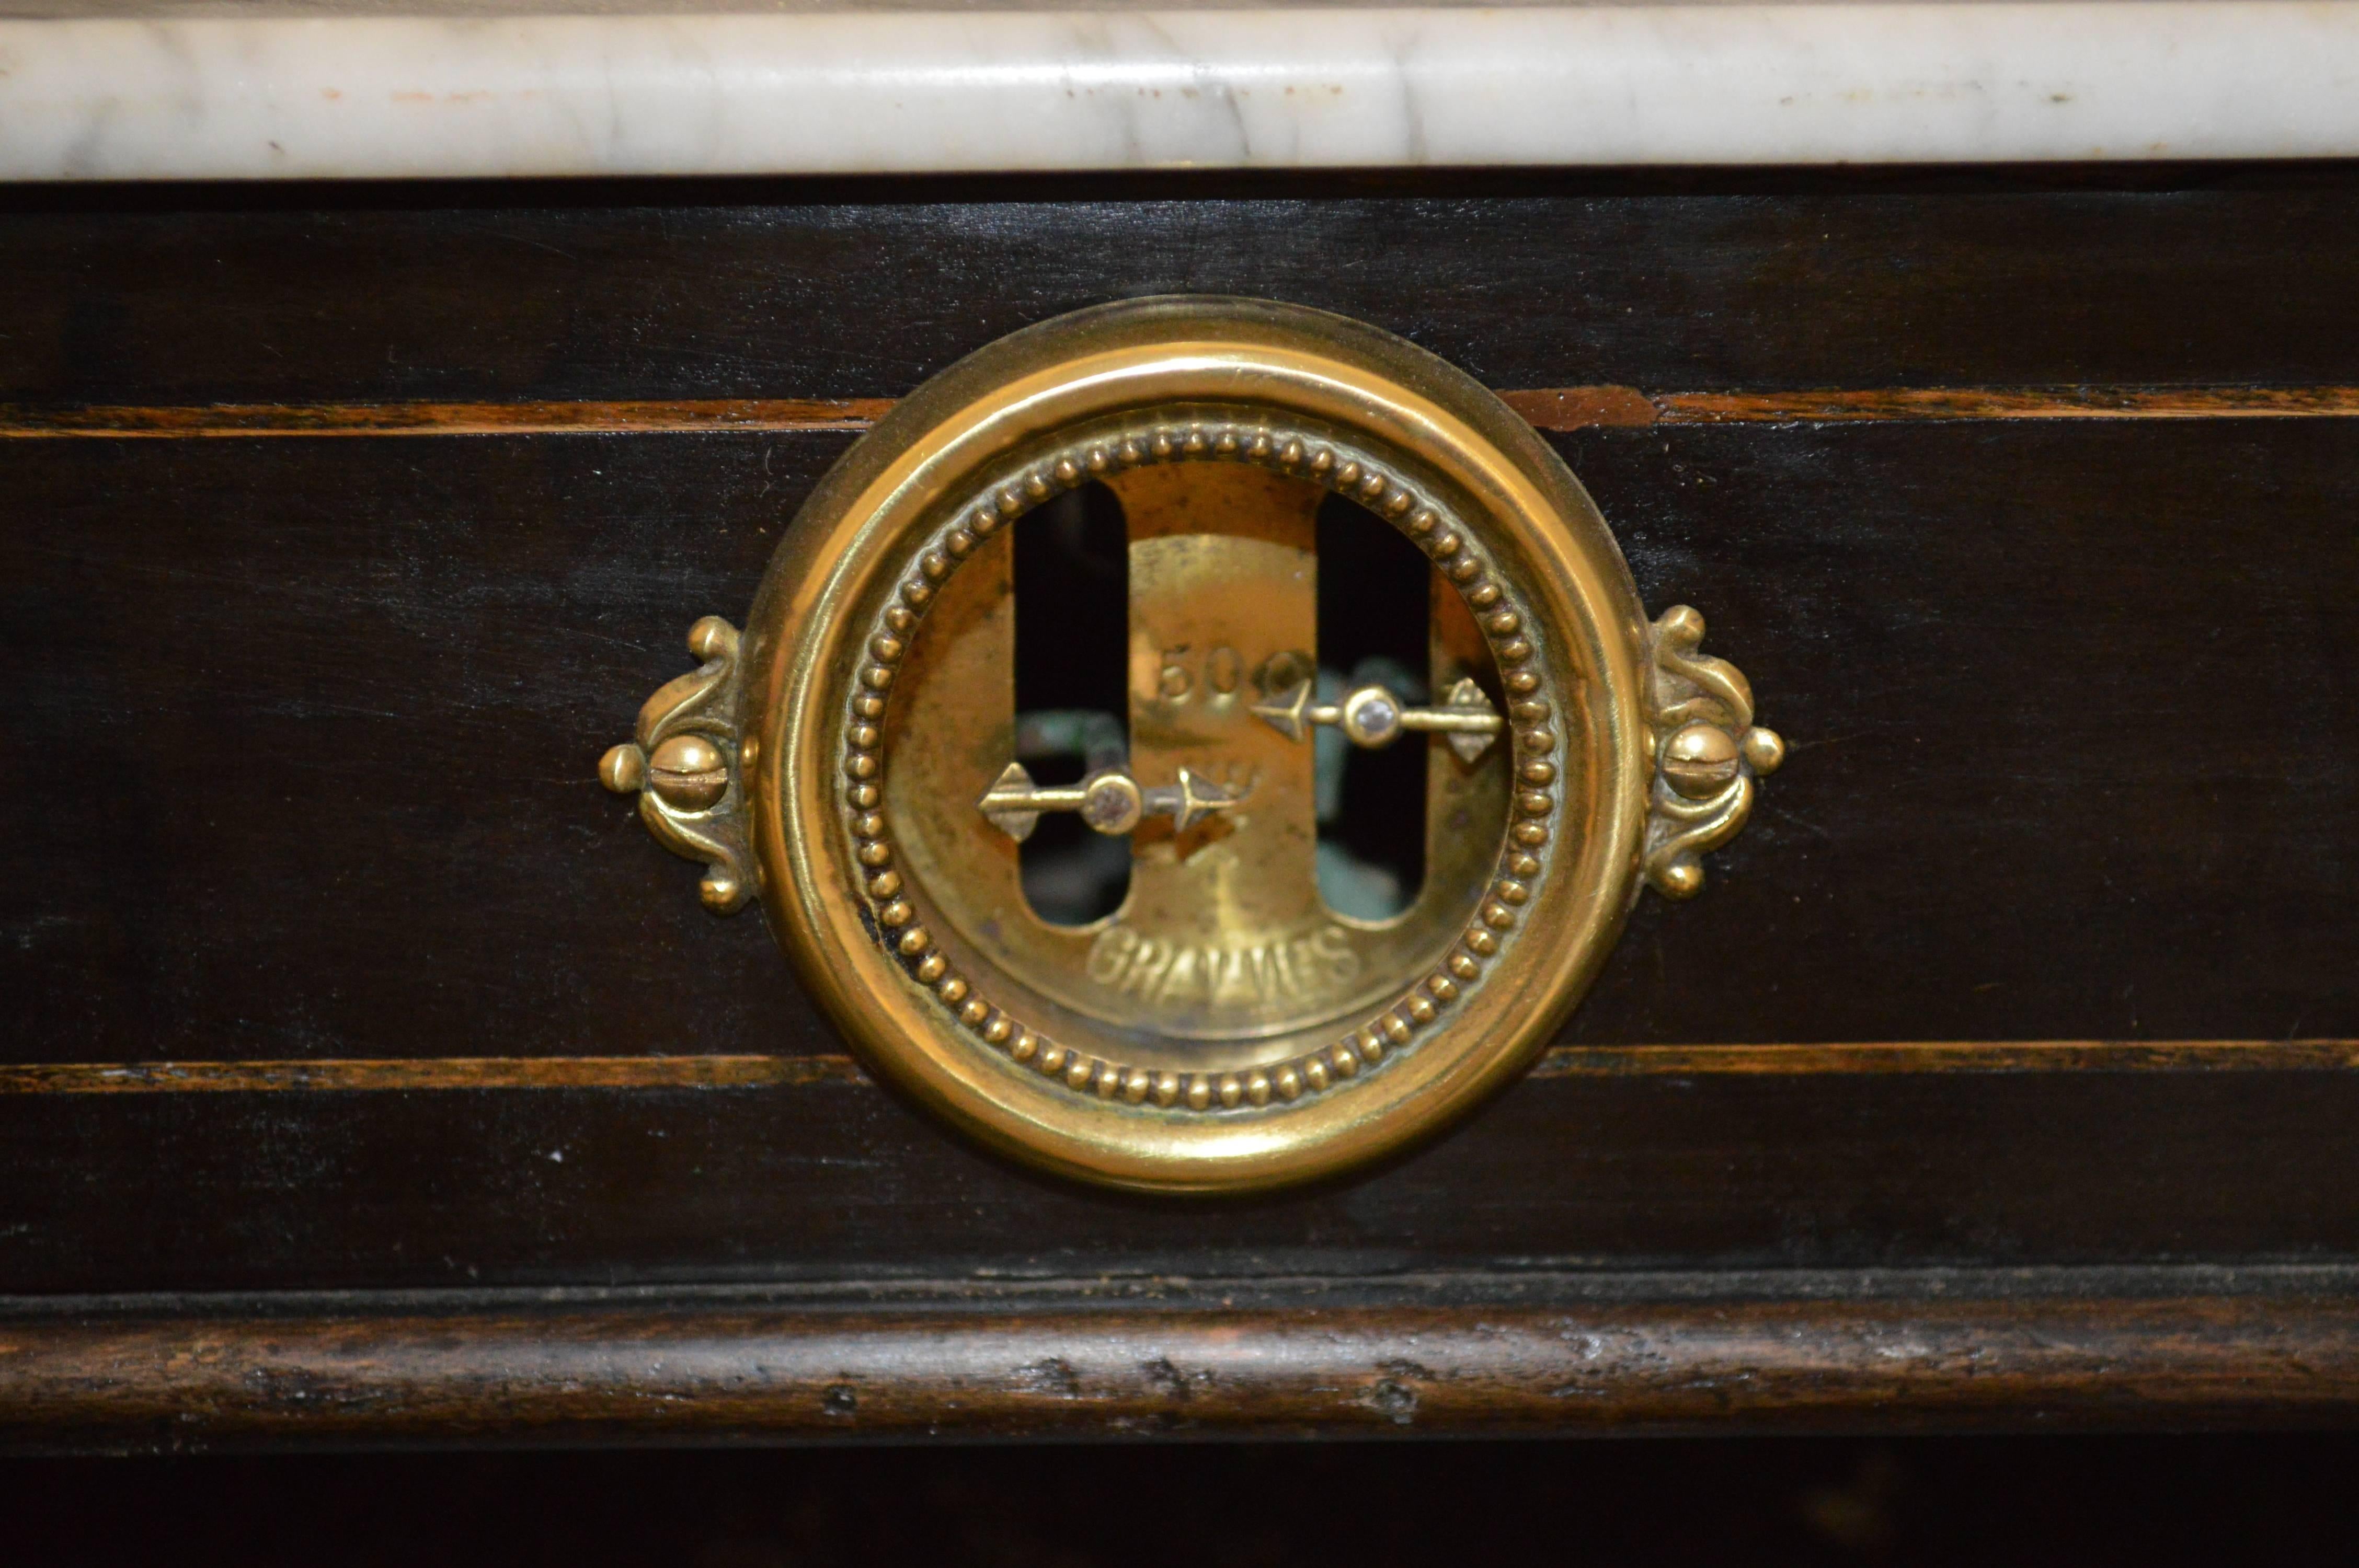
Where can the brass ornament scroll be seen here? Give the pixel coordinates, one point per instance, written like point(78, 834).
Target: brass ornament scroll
point(857, 757)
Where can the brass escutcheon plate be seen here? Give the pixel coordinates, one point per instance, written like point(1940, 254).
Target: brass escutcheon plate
point(859, 760)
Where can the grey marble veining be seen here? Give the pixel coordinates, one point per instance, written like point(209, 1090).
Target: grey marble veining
point(373, 91)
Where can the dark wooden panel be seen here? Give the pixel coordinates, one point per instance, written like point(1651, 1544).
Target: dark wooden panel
point(1469, 1355)
point(1928, 1501)
point(289, 1191)
point(816, 289)
point(2073, 730)
point(314, 720)
point(333, 718)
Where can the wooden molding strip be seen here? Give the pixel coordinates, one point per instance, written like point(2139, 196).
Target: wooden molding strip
point(1559, 408)
point(333, 1076)
point(640, 1371)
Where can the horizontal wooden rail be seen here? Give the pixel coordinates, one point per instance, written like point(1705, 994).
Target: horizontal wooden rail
point(1559, 408)
point(1507, 1356)
point(741, 1072)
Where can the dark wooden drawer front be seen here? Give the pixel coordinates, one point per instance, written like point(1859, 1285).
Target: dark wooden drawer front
point(344, 527)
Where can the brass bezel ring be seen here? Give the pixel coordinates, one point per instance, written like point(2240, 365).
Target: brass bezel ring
point(1173, 380)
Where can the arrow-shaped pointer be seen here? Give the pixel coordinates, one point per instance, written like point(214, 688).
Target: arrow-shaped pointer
point(1374, 716)
point(1109, 800)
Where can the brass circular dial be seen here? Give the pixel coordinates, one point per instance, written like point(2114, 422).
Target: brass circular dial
point(855, 757)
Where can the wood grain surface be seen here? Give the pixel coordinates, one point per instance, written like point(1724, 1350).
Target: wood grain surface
point(832, 1181)
point(2036, 1354)
point(2190, 276)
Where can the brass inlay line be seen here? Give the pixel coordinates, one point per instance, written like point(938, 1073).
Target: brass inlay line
point(1951, 1056)
point(2006, 403)
point(333, 1076)
point(338, 1075)
point(1585, 407)
point(577, 418)
point(1559, 408)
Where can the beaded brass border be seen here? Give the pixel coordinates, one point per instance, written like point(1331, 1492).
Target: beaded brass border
point(1345, 471)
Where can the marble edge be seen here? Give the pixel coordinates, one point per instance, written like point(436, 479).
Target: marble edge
point(495, 10)
point(968, 90)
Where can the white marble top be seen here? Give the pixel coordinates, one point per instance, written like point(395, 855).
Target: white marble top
point(216, 89)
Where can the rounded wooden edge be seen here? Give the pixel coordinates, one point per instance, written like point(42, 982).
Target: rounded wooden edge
point(720, 1369)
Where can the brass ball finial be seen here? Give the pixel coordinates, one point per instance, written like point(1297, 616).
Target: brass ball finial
point(1764, 750)
point(624, 769)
